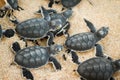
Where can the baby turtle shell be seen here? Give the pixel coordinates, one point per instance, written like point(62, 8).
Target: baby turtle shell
point(100, 67)
point(82, 41)
point(97, 68)
point(65, 3)
point(36, 28)
point(70, 3)
point(32, 57)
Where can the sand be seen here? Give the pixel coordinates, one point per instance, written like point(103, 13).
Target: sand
point(102, 13)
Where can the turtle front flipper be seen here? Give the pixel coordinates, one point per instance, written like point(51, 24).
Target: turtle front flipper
point(45, 14)
point(50, 39)
point(27, 74)
point(90, 26)
point(99, 52)
point(56, 63)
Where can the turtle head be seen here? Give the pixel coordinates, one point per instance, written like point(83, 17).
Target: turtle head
point(67, 13)
point(117, 64)
point(102, 32)
point(54, 49)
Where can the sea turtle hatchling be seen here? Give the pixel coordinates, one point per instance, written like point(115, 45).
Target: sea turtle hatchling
point(8, 8)
point(98, 68)
point(12, 4)
point(38, 28)
point(35, 57)
point(7, 33)
point(86, 40)
point(64, 20)
point(66, 3)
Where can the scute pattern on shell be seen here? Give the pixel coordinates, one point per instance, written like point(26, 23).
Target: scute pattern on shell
point(81, 42)
point(32, 57)
point(33, 28)
point(96, 69)
point(59, 16)
point(70, 3)
point(13, 3)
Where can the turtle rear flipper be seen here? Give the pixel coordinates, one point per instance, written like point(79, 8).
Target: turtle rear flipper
point(19, 8)
point(75, 58)
point(16, 47)
point(27, 74)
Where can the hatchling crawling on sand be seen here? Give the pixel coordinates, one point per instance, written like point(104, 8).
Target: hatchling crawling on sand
point(38, 28)
point(85, 41)
point(98, 68)
point(8, 8)
point(14, 5)
point(7, 33)
point(35, 57)
point(64, 16)
point(66, 3)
